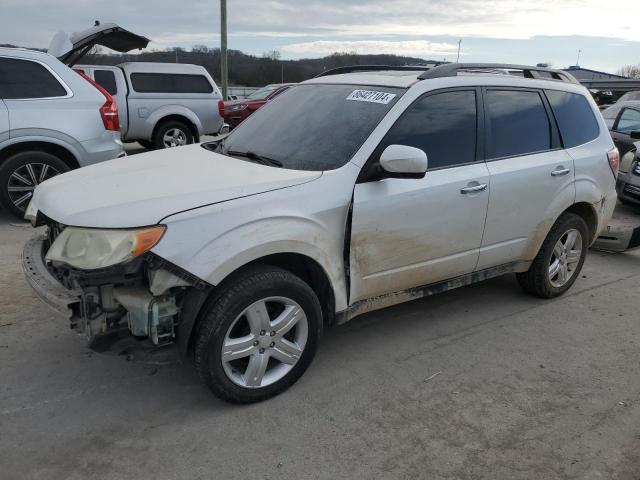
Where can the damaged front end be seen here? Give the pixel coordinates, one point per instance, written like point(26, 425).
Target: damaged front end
point(137, 301)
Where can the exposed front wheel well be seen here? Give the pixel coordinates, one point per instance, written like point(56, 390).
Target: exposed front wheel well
point(588, 214)
point(311, 272)
point(62, 153)
point(177, 118)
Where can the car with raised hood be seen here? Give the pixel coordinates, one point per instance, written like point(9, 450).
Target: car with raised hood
point(432, 179)
point(238, 110)
point(161, 105)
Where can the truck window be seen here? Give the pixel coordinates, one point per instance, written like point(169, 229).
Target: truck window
point(107, 80)
point(170, 83)
point(23, 79)
point(574, 116)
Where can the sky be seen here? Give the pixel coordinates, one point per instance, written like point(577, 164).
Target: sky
point(607, 34)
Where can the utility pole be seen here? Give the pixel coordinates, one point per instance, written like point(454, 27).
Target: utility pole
point(458, 59)
point(224, 74)
point(578, 60)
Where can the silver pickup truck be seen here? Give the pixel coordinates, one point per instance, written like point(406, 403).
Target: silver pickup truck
point(160, 105)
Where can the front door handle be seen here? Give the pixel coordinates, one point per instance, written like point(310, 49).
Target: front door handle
point(560, 171)
point(473, 189)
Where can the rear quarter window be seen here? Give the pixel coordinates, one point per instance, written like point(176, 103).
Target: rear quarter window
point(170, 83)
point(25, 79)
point(575, 118)
point(107, 80)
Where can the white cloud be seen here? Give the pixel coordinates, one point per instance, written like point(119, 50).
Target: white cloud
point(418, 48)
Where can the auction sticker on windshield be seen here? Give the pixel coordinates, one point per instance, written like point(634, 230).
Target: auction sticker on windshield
point(371, 96)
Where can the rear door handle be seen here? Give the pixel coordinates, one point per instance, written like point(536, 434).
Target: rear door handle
point(560, 171)
point(473, 189)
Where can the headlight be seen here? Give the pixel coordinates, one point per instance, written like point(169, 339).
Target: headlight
point(235, 108)
point(91, 248)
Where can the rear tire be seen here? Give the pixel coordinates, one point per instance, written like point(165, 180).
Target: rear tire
point(560, 259)
point(263, 321)
point(21, 173)
point(172, 134)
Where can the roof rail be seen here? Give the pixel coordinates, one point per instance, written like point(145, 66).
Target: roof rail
point(452, 69)
point(374, 68)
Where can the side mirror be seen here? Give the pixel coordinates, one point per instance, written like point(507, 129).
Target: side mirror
point(402, 161)
point(635, 134)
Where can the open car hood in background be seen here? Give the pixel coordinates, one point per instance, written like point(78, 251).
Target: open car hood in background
point(71, 48)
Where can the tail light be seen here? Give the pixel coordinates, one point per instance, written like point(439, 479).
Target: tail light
point(108, 111)
point(221, 108)
point(614, 161)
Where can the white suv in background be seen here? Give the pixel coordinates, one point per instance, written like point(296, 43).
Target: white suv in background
point(51, 120)
point(350, 192)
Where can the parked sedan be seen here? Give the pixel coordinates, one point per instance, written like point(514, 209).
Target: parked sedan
point(235, 111)
point(624, 123)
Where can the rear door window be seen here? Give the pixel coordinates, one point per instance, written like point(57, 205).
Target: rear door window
point(517, 123)
point(170, 83)
point(575, 117)
point(443, 125)
point(25, 79)
point(629, 120)
point(107, 80)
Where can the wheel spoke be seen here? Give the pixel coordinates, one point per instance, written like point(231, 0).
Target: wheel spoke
point(255, 371)
point(235, 348)
point(570, 242)
point(22, 199)
point(258, 318)
point(573, 257)
point(562, 273)
point(20, 189)
point(32, 173)
point(286, 320)
point(43, 173)
point(22, 179)
point(554, 269)
point(286, 351)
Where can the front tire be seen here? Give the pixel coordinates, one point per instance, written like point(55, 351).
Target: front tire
point(21, 173)
point(560, 259)
point(258, 335)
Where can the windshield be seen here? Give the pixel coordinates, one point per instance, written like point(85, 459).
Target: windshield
point(311, 127)
point(262, 93)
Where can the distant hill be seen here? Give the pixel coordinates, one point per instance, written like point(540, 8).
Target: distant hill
point(250, 70)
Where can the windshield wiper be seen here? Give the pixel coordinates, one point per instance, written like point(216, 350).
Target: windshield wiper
point(255, 157)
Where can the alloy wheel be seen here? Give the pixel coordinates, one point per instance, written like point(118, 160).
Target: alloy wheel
point(24, 180)
point(264, 342)
point(565, 258)
point(174, 137)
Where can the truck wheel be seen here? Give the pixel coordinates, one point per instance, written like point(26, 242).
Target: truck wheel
point(21, 173)
point(258, 335)
point(172, 134)
point(559, 260)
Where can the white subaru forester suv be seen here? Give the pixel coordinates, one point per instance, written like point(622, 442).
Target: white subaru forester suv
point(353, 191)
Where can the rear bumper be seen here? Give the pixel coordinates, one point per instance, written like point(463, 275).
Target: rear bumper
point(106, 147)
point(43, 283)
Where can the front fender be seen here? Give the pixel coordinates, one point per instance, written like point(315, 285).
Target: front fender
point(233, 247)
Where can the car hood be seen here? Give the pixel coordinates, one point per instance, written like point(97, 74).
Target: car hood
point(143, 189)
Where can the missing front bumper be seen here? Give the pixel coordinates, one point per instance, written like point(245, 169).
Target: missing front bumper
point(50, 291)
